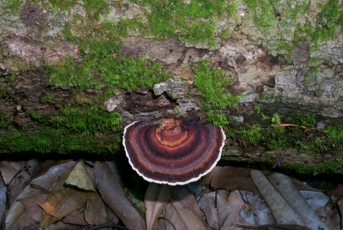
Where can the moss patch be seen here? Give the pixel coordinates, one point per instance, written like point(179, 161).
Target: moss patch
point(212, 84)
point(193, 22)
point(327, 167)
point(295, 132)
point(53, 140)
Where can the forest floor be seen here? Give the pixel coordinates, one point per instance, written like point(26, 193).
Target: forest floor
point(68, 194)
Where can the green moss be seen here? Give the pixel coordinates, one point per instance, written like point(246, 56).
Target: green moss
point(327, 22)
point(94, 8)
point(327, 167)
point(5, 119)
point(251, 136)
point(47, 98)
point(177, 19)
point(62, 4)
point(252, 3)
point(335, 136)
point(200, 32)
point(302, 168)
point(232, 8)
point(127, 73)
point(53, 140)
point(299, 132)
point(304, 119)
point(212, 84)
point(217, 119)
point(101, 66)
point(88, 120)
point(14, 5)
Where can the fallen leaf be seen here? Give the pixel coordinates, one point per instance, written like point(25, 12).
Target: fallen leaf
point(65, 198)
point(336, 193)
point(95, 212)
point(207, 203)
point(182, 194)
point(292, 196)
point(258, 207)
point(3, 191)
point(20, 179)
point(32, 207)
point(233, 178)
point(156, 198)
point(48, 208)
point(316, 199)
point(17, 217)
point(59, 225)
point(9, 169)
point(208, 177)
point(46, 165)
point(109, 187)
point(235, 205)
point(79, 177)
point(76, 218)
point(281, 210)
point(180, 216)
point(222, 204)
point(331, 216)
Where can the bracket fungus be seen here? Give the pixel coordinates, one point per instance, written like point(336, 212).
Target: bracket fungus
point(174, 152)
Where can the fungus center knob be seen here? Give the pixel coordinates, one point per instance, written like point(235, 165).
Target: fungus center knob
point(170, 133)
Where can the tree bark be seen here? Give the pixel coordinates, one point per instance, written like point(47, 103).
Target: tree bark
point(284, 74)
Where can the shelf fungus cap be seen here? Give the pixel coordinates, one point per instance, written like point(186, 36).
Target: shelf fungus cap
point(174, 152)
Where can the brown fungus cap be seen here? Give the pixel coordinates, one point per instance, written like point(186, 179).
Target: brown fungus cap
point(174, 152)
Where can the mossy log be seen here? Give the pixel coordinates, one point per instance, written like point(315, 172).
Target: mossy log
point(72, 75)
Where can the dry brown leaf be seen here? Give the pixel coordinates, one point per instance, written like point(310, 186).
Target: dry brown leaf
point(180, 216)
point(156, 198)
point(181, 193)
point(207, 203)
point(32, 207)
point(330, 215)
point(236, 178)
point(109, 187)
point(336, 193)
point(95, 212)
point(292, 196)
point(208, 177)
point(20, 179)
point(111, 216)
point(17, 217)
point(257, 208)
point(76, 218)
point(62, 226)
point(281, 210)
point(235, 205)
point(46, 165)
point(66, 199)
point(9, 169)
point(48, 208)
point(233, 178)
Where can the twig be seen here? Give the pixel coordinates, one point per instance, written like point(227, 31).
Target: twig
point(105, 225)
point(267, 226)
point(301, 126)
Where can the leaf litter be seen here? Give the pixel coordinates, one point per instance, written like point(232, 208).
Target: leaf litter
point(79, 195)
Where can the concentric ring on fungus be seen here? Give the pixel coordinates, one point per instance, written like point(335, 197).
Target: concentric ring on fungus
point(175, 152)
